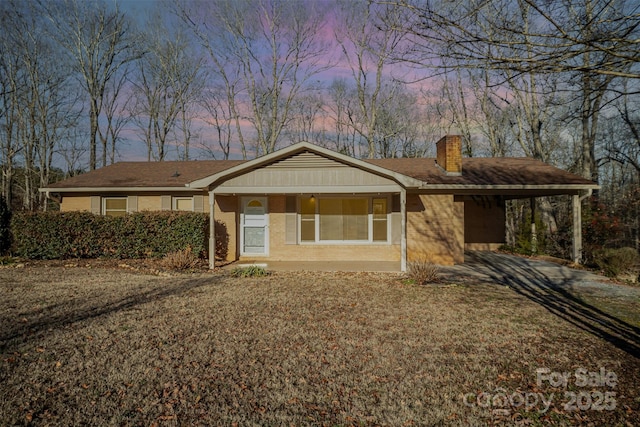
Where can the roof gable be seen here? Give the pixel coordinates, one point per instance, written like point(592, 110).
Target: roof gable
point(305, 160)
point(299, 154)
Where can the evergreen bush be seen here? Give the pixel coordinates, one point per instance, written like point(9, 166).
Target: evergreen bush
point(60, 235)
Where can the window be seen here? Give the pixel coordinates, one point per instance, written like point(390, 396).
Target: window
point(183, 203)
point(114, 206)
point(308, 219)
point(343, 219)
point(379, 220)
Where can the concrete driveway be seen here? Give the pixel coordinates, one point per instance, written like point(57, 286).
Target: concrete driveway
point(589, 301)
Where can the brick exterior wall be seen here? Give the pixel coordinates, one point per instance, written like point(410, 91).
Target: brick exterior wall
point(226, 211)
point(75, 203)
point(449, 153)
point(435, 228)
point(484, 223)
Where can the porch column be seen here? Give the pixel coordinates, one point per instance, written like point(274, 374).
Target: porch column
point(403, 237)
point(212, 231)
point(577, 230)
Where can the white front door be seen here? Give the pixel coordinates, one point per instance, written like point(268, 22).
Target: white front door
point(254, 226)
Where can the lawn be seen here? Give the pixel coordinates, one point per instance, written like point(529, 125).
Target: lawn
point(110, 346)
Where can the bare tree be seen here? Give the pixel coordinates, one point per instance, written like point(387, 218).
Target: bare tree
point(166, 82)
point(307, 119)
point(621, 133)
point(266, 51)
point(11, 86)
point(38, 106)
point(369, 38)
point(99, 42)
point(341, 108)
point(116, 118)
point(589, 43)
point(206, 26)
point(220, 117)
point(563, 32)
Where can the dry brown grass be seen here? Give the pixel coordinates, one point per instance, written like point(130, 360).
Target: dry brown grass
point(109, 347)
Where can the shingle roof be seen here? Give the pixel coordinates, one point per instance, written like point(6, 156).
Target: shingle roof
point(476, 172)
point(147, 174)
point(485, 171)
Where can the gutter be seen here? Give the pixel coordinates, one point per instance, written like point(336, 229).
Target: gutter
point(116, 189)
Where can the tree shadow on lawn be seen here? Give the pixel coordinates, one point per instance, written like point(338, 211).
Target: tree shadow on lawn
point(71, 311)
point(553, 293)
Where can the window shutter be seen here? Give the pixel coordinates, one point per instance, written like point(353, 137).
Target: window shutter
point(96, 205)
point(132, 204)
point(198, 203)
point(291, 221)
point(165, 203)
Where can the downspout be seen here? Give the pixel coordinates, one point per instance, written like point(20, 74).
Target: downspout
point(212, 231)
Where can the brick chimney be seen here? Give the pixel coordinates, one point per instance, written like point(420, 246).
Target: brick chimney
point(449, 154)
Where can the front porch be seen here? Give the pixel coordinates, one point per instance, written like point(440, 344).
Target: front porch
point(341, 266)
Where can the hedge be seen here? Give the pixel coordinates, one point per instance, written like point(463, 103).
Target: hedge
point(60, 235)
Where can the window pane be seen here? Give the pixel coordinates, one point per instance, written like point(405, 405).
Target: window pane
point(115, 206)
point(308, 228)
point(343, 219)
point(120, 204)
point(254, 239)
point(330, 211)
point(356, 219)
point(184, 204)
point(379, 231)
point(380, 220)
point(308, 206)
point(379, 207)
point(308, 219)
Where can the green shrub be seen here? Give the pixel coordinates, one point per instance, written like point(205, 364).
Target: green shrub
point(59, 235)
point(5, 225)
point(250, 271)
point(613, 262)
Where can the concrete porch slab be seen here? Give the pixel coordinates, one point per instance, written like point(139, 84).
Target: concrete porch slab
point(347, 266)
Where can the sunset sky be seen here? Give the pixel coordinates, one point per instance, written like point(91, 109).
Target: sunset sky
point(132, 147)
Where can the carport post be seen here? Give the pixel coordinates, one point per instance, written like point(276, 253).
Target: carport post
point(212, 231)
point(577, 229)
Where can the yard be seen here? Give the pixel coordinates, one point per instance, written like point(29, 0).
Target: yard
point(112, 346)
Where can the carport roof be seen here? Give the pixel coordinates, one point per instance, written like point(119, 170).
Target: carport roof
point(485, 171)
